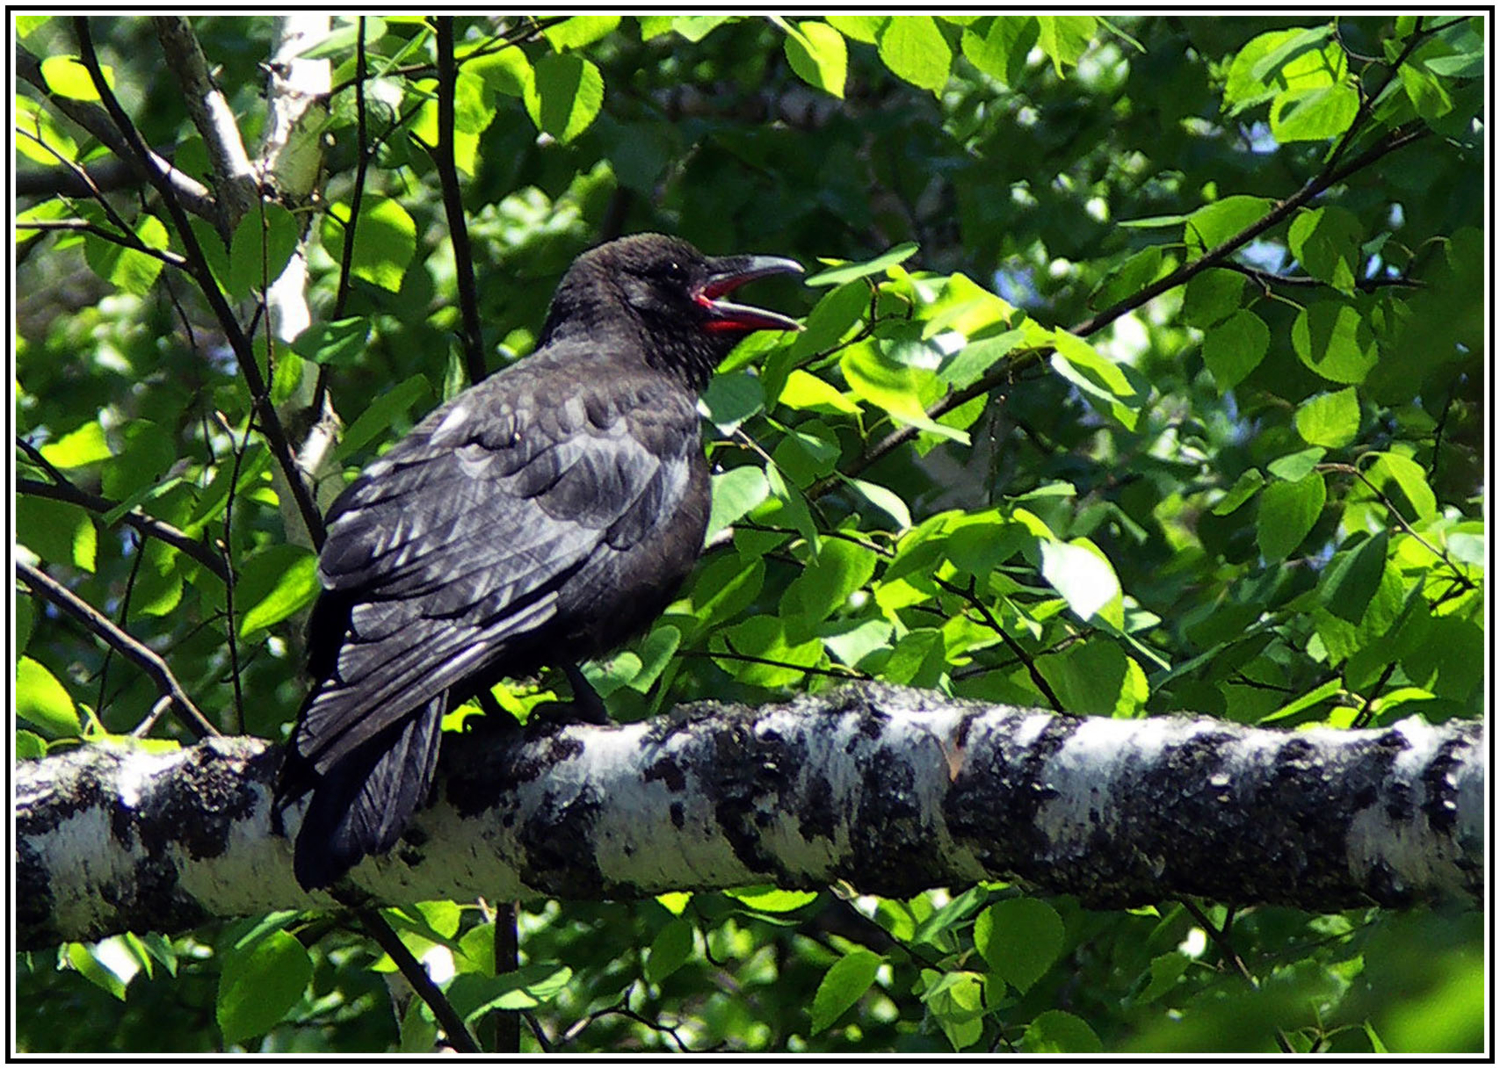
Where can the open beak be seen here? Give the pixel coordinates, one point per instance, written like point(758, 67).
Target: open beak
point(728, 272)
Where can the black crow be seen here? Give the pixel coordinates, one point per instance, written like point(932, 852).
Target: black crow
point(541, 517)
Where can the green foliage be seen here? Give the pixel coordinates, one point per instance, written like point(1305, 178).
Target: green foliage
point(1141, 375)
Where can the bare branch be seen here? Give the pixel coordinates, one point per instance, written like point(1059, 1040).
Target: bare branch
point(239, 342)
point(195, 197)
point(115, 638)
point(147, 525)
point(234, 178)
point(890, 789)
point(453, 203)
point(1215, 257)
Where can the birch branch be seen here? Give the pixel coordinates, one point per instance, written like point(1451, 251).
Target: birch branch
point(890, 789)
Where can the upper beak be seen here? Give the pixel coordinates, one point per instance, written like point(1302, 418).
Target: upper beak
point(727, 273)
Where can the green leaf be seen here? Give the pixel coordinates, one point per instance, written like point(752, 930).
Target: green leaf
point(29, 745)
point(1352, 578)
point(377, 418)
point(916, 51)
point(507, 72)
point(38, 135)
point(1394, 472)
point(1132, 275)
point(1287, 513)
point(863, 28)
point(806, 391)
point(24, 619)
point(1235, 348)
point(384, 242)
point(524, 989)
point(846, 272)
point(1214, 224)
point(1065, 38)
point(670, 949)
point(132, 270)
point(733, 398)
point(57, 531)
point(1166, 971)
point(726, 586)
point(262, 246)
point(260, 983)
point(67, 77)
point(893, 386)
point(772, 899)
point(1019, 938)
point(1294, 60)
point(565, 96)
point(1292, 467)
point(1085, 580)
point(276, 583)
point(1427, 94)
point(1000, 50)
point(779, 657)
point(78, 448)
point(1326, 241)
point(1097, 376)
point(1330, 420)
point(44, 702)
point(965, 367)
point(1211, 296)
point(827, 581)
point(842, 986)
point(85, 959)
point(580, 30)
point(339, 343)
point(735, 493)
point(1059, 1032)
point(1317, 696)
point(819, 56)
point(887, 501)
point(1317, 115)
point(1333, 339)
point(696, 27)
point(1095, 678)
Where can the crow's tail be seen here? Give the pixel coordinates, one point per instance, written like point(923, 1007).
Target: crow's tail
point(364, 802)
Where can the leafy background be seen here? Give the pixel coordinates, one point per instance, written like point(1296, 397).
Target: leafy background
point(1142, 374)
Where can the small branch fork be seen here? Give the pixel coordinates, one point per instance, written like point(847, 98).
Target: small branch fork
point(116, 638)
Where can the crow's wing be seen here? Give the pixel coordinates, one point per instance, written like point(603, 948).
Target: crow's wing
point(476, 531)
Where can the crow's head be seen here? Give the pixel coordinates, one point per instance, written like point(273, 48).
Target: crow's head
point(664, 296)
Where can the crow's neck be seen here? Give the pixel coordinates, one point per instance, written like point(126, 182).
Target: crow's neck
point(686, 352)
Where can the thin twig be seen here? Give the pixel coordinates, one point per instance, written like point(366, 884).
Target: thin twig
point(129, 647)
point(269, 422)
point(1215, 257)
point(416, 975)
point(1221, 940)
point(442, 155)
point(146, 525)
point(234, 175)
point(196, 197)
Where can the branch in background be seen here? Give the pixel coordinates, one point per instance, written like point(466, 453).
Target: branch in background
point(134, 650)
point(1267, 279)
point(416, 975)
point(890, 789)
point(125, 239)
point(146, 525)
point(149, 166)
point(234, 178)
point(1215, 257)
point(270, 424)
point(453, 203)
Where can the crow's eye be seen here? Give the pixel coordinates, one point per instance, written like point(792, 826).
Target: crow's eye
point(674, 272)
